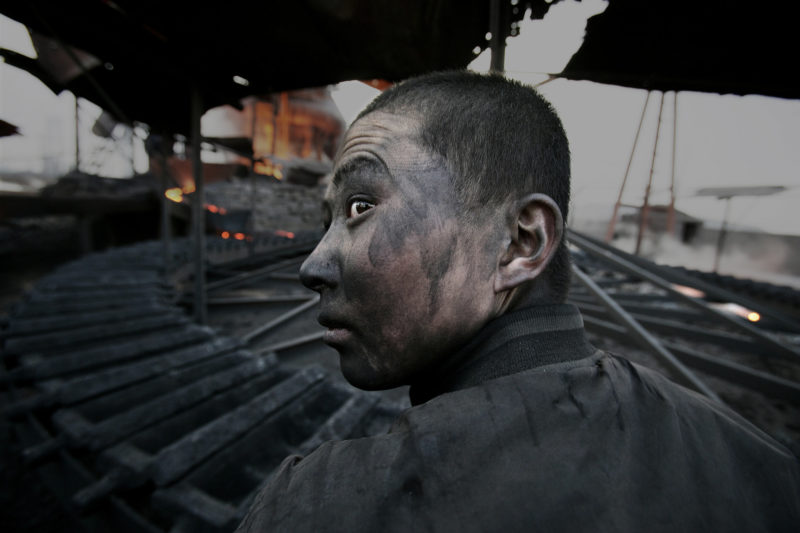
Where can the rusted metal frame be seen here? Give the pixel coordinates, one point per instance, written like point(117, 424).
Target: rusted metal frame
point(67, 470)
point(777, 346)
point(222, 272)
point(645, 210)
point(60, 392)
point(37, 368)
point(252, 335)
point(258, 300)
point(285, 276)
point(63, 294)
point(341, 425)
point(292, 343)
point(671, 210)
point(243, 264)
point(59, 340)
point(184, 454)
point(83, 427)
point(723, 230)
point(59, 475)
point(75, 59)
point(642, 310)
point(250, 277)
point(738, 374)
point(198, 485)
point(653, 316)
point(35, 326)
point(195, 509)
point(273, 254)
point(189, 387)
point(497, 43)
point(732, 341)
point(198, 214)
point(166, 223)
point(622, 297)
point(77, 133)
point(194, 503)
point(95, 436)
point(87, 279)
point(42, 309)
point(763, 382)
point(679, 371)
point(613, 222)
point(679, 278)
point(127, 465)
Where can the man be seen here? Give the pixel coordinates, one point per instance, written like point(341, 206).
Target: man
point(444, 267)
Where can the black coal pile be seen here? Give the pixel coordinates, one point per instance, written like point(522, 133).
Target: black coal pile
point(141, 420)
point(144, 421)
point(269, 205)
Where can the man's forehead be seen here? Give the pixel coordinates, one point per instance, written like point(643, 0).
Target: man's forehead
point(359, 167)
point(383, 143)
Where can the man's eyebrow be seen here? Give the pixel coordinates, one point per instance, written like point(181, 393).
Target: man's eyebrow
point(358, 165)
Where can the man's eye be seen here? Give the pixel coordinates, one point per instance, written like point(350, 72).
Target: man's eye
point(358, 207)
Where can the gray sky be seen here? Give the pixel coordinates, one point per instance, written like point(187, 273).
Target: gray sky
point(722, 140)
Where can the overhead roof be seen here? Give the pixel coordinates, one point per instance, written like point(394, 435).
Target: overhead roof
point(145, 55)
point(150, 53)
point(722, 46)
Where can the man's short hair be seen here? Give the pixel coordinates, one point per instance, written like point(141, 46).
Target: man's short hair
point(499, 138)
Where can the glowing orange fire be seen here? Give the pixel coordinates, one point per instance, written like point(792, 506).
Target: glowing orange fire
point(249, 238)
point(176, 193)
point(728, 307)
point(216, 209)
point(689, 291)
point(267, 168)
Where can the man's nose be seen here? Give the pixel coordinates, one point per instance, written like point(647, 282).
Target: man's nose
point(319, 270)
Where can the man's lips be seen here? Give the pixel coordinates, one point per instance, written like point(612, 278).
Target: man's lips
point(338, 331)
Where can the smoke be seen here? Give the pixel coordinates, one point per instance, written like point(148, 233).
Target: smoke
point(768, 258)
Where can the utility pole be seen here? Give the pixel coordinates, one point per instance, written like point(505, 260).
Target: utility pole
point(77, 138)
point(198, 213)
point(646, 204)
point(498, 41)
point(613, 222)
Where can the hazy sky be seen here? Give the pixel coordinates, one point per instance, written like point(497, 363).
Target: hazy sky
point(722, 140)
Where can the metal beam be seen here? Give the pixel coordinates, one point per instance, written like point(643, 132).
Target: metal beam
point(711, 290)
point(767, 384)
point(250, 336)
point(762, 382)
point(680, 372)
point(497, 43)
point(732, 341)
point(249, 277)
point(258, 300)
point(198, 214)
point(777, 346)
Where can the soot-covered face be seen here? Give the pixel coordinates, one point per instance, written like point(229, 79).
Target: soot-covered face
point(403, 281)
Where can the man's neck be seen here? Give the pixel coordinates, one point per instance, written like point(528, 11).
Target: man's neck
point(517, 341)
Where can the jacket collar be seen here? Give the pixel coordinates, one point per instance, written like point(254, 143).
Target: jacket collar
point(517, 341)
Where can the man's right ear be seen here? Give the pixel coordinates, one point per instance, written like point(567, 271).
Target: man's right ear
point(536, 231)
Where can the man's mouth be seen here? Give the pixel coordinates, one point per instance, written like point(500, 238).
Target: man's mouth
point(338, 332)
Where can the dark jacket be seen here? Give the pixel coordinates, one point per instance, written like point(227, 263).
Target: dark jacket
point(532, 429)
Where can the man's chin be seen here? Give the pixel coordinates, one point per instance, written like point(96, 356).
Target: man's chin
point(363, 376)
